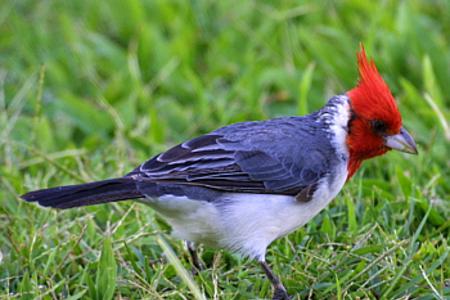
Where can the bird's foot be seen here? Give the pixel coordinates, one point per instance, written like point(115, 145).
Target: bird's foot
point(198, 266)
point(280, 293)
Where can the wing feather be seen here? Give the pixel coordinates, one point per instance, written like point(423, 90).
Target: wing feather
point(264, 157)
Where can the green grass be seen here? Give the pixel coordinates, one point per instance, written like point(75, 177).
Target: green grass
point(89, 89)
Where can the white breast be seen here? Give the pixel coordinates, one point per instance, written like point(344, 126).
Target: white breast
point(246, 223)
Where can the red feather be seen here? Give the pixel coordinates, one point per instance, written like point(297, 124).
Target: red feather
point(370, 100)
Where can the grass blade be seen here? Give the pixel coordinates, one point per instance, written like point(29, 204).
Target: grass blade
point(182, 272)
point(106, 272)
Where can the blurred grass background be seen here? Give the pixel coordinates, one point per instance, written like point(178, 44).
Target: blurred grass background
point(89, 89)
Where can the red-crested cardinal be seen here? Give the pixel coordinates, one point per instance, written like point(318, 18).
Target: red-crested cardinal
point(245, 185)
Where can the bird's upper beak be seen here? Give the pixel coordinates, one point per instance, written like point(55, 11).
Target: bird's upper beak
point(403, 142)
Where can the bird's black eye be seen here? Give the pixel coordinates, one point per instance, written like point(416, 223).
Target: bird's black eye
point(379, 126)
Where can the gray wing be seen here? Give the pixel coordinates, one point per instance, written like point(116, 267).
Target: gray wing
point(281, 156)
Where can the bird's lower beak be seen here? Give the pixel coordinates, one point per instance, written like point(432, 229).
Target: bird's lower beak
point(403, 142)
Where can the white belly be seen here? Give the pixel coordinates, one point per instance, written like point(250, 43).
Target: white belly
point(246, 223)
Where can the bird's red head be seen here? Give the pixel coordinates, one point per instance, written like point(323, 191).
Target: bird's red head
point(375, 116)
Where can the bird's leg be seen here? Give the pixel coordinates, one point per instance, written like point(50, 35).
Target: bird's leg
point(280, 292)
point(194, 256)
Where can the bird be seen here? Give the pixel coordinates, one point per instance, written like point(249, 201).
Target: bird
point(247, 184)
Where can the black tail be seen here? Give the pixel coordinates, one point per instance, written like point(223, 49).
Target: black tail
point(110, 190)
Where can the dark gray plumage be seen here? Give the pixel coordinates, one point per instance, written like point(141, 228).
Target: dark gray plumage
point(279, 156)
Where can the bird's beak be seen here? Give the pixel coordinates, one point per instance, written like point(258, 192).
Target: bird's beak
point(403, 142)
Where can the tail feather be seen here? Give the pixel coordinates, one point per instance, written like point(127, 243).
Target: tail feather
point(69, 196)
